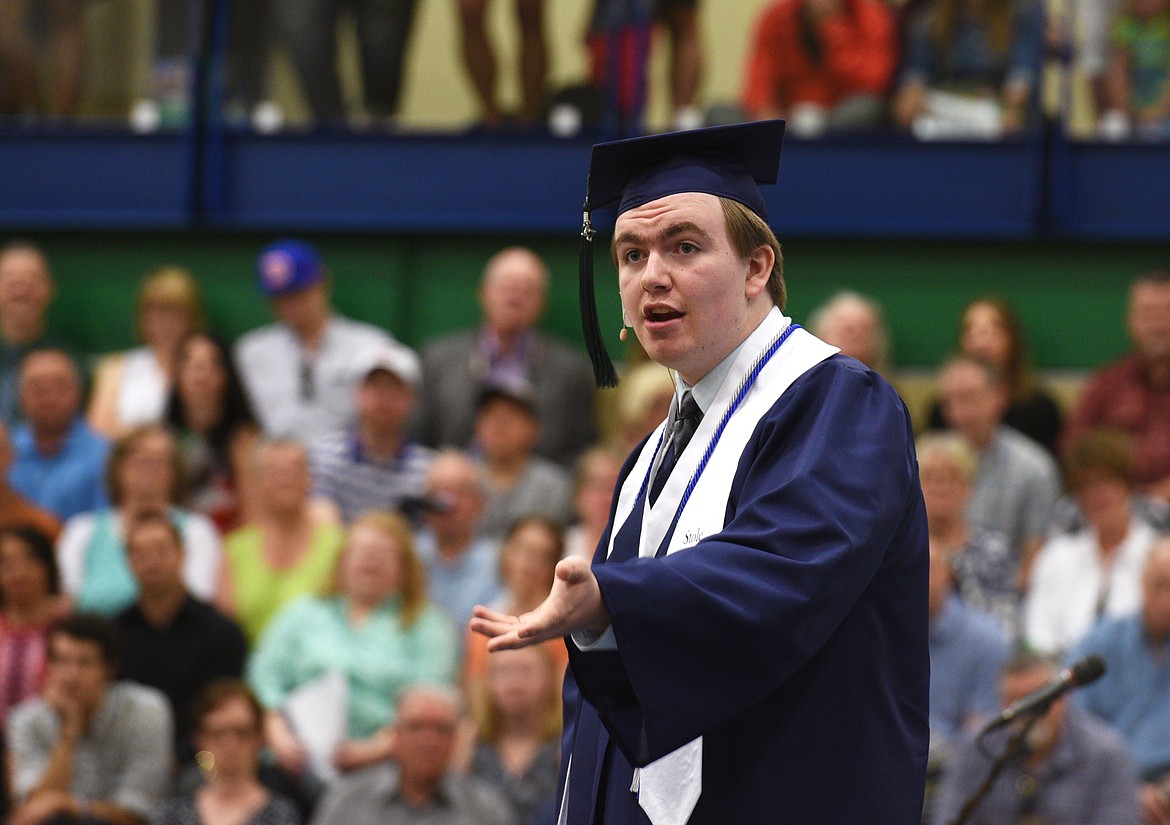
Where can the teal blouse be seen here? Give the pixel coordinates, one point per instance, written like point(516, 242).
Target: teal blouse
point(379, 657)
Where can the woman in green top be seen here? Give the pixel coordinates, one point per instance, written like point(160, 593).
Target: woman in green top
point(379, 631)
point(290, 550)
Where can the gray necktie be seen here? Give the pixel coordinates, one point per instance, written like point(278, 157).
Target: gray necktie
point(684, 426)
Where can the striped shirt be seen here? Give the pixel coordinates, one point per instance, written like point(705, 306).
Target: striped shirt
point(346, 475)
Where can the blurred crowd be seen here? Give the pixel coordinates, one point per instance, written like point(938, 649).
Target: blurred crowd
point(235, 578)
point(968, 69)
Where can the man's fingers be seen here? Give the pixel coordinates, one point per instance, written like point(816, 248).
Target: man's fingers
point(507, 641)
point(481, 612)
point(493, 628)
point(491, 623)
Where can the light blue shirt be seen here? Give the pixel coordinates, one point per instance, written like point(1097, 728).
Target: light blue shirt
point(967, 651)
point(70, 481)
point(1134, 694)
point(458, 586)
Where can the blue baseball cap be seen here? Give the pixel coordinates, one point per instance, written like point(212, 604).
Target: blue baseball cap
point(288, 266)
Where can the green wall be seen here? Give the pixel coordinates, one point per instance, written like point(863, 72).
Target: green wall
point(1071, 296)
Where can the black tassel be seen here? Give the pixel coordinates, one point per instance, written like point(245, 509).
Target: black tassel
point(603, 371)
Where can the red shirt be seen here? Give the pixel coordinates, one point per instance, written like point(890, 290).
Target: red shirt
point(1121, 396)
point(859, 54)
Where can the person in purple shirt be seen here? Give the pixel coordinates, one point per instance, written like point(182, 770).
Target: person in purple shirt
point(508, 349)
point(59, 461)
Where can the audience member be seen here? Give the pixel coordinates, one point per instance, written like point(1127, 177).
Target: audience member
point(528, 562)
point(375, 465)
point(826, 65)
point(991, 331)
point(982, 566)
point(619, 39)
point(297, 371)
point(59, 459)
point(420, 786)
point(15, 509)
point(680, 19)
point(479, 60)
point(228, 723)
point(89, 749)
point(519, 483)
point(1137, 78)
point(309, 29)
point(1133, 695)
point(643, 402)
point(290, 550)
point(1096, 571)
point(29, 585)
point(145, 475)
point(462, 564)
point(379, 631)
point(171, 640)
point(23, 57)
point(131, 388)
point(970, 69)
point(1072, 769)
point(967, 650)
point(1016, 482)
point(597, 476)
point(1087, 28)
point(518, 750)
point(26, 289)
point(508, 349)
point(1133, 394)
point(857, 325)
point(216, 431)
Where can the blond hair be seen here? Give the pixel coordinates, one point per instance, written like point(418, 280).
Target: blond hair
point(950, 446)
point(414, 582)
point(171, 286)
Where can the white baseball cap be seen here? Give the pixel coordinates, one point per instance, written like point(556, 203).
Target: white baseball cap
point(397, 359)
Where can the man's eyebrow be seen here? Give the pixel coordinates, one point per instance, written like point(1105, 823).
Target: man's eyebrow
point(672, 231)
point(686, 228)
point(627, 237)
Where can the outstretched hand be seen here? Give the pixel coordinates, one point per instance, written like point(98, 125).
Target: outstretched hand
point(573, 604)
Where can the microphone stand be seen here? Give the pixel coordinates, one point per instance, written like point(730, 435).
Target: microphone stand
point(1016, 747)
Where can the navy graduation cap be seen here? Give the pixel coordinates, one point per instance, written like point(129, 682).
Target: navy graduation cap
point(726, 161)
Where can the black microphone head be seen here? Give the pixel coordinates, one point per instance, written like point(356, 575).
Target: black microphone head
point(1088, 669)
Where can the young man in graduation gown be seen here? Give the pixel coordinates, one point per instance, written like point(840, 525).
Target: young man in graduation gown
point(749, 645)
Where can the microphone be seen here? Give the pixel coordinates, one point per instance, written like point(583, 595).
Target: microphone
point(1088, 669)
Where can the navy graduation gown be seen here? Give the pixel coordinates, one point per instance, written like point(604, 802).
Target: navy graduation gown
point(794, 641)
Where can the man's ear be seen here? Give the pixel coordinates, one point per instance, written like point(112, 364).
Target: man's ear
point(760, 264)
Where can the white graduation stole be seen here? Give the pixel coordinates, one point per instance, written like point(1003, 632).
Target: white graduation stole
point(669, 788)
